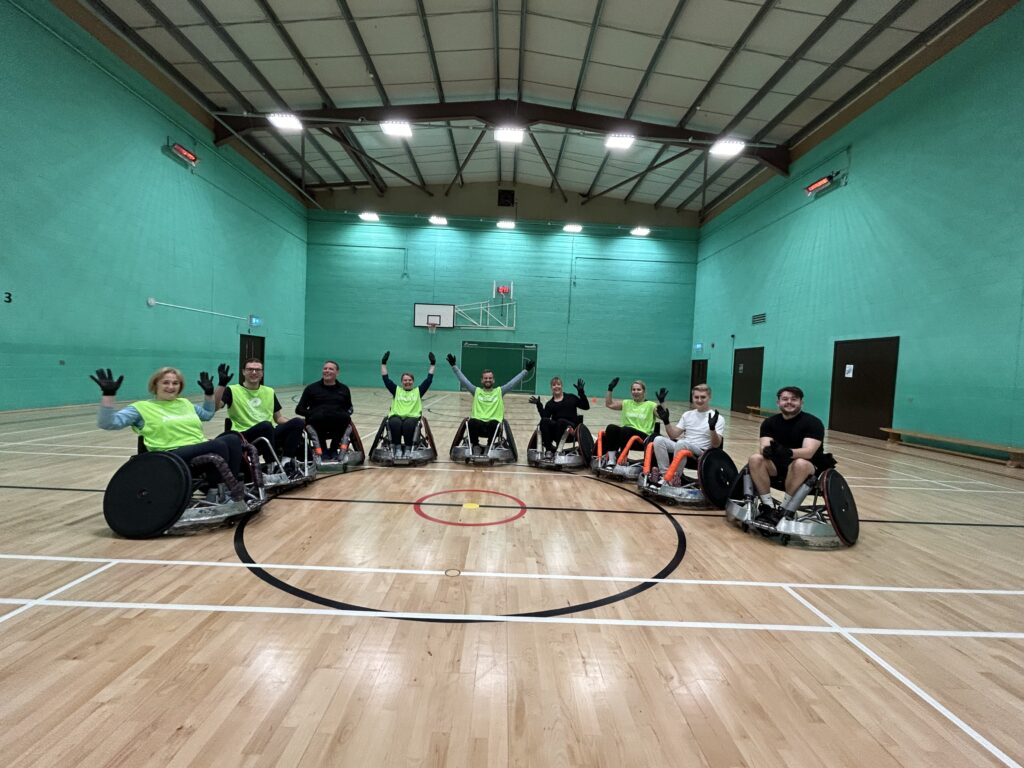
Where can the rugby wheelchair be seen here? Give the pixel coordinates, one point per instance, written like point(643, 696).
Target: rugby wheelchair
point(624, 467)
point(710, 487)
point(350, 454)
point(158, 492)
point(500, 448)
point(281, 474)
point(575, 448)
point(828, 521)
point(423, 447)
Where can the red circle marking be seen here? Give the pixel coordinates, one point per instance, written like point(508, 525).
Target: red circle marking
point(421, 513)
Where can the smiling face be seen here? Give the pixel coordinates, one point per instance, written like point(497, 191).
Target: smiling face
point(330, 373)
point(701, 399)
point(408, 381)
point(556, 388)
point(789, 403)
point(253, 373)
point(168, 387)
point(638, 391)
point(487, 380)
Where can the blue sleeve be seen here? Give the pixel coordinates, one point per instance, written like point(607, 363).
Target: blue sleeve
point(513, 382)
point(126, 417)
point(463, 380)
point(425, 384)
point(204, 412)
point(389, 383)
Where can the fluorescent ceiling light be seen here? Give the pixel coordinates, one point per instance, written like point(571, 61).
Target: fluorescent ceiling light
point(509, 135)
point(285, 121)
point(439, 220)
point(619, 141)
point(640, 231)
point(573, 228)
point(396, 128)
point(727, 147)
point(506, 224)
point(369, 216)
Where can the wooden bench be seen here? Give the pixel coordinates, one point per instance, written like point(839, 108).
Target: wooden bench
point(757, 410)
point(1016, 454)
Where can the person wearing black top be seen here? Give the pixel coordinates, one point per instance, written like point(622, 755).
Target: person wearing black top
point(327, 407)
point(791, 448)
point(559, 412)
point(405, 415)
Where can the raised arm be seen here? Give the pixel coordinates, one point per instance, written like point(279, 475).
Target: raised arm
point(224, 376)
point(459, 375)
point(609, 401)
point(514, 381)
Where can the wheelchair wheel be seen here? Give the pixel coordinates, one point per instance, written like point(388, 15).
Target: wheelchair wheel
point(381, 431)
point(585, 443)
point(842, 510)
point(511, 440)
point(716, 474)
point(147, 495)
point(427, 437)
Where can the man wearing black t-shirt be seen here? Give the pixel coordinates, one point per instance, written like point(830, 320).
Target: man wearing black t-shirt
point(559, 413)
point(327, 407)
point(791, 448)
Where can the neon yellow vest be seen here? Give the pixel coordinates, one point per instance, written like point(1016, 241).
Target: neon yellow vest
point(406, 403)
point(169, 424)
point(488, 404)
point(250, 406)
point(639, 416)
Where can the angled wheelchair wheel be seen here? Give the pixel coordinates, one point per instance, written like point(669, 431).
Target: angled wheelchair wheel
point(534, 440)
point(842, 510)
point(381, 431)
point(147, 495)
point(511, 439)
point(716, 474)
point(585, 442)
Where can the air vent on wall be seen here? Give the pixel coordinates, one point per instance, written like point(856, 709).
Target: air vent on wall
point(758, 319)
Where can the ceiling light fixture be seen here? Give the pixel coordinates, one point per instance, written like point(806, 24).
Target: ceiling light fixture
point(506, 224)
point(396, 128)
point(285, 121)
point(727, 147)
point(640, 231)
point(573, 229)
point(619, 141)
point(509, 135)
point(369, 216)
point(438, 220)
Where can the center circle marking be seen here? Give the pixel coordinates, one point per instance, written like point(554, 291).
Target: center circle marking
point(418, 506)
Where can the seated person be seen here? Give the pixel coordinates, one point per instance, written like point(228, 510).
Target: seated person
point(169, 422)
point(559, 413)
point(488, 403)
point(327, 408)
point(637, 417)
point(699, 429)
point(254, 411)
point(791, 448)
point(406, 405)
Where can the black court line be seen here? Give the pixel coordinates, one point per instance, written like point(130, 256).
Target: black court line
point(49, 488)
point(665, 572)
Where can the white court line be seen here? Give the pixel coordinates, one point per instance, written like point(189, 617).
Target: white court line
point(991, 748)
point(896, 471)
point(86, 447)
point(500, 575)
point(54, 453)
point(949, 489)
point(915, 466)
point(26, 605)
point(19, 432)
point(833, 629)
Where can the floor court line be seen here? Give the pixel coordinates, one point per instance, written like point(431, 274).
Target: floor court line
point(934, 703)
point(503, 575)
point(29, 604)
point(917, 467)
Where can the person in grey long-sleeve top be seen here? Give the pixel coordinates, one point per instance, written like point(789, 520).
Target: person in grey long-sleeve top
point(488, 402)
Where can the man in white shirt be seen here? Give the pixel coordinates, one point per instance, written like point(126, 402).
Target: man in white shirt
point(699, 429)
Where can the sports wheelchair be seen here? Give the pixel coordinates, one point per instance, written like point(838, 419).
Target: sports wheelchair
point(500, 448)
point(829, 521)
point(715, 475)
point(575, 449)
point(423, 448)
point(624, 468)
point(281, 474)
point(351, 453)
point(158, 492)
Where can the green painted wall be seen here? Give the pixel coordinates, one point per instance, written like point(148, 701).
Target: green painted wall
point(598, 304)
point(94, 219)
point(926, 242)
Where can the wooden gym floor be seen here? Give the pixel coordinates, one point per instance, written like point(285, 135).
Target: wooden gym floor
point(652, 637)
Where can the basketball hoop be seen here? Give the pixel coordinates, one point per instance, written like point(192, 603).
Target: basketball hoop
point(431, 328)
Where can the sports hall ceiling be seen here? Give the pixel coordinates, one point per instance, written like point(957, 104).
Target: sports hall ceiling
point(677, 74)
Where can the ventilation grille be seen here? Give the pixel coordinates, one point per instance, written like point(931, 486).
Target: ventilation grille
point(758, 319)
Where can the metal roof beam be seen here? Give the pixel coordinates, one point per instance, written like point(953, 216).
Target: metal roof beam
point(650, 168)
point(435, 70)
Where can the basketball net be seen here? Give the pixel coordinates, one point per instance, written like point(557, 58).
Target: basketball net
point(431, 328)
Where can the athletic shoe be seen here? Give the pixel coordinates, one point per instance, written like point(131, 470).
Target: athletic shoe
point(654, 477)
point(768, 514)
point(478, 450)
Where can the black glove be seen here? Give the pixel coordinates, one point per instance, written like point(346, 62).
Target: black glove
point(612, 384)
point(205, 383)
point(712, 420)
point(106, 381)
point(431, 358)
point(451, 359)
point(535, 401)
point(224, 375)
point(781, 453)
point(662, 394)
point(528, 365)
point(662, 412)
point(384, 360)
point(579, 389)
